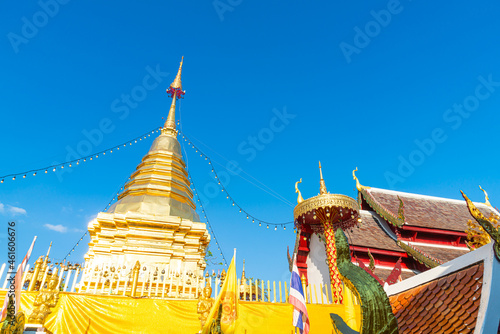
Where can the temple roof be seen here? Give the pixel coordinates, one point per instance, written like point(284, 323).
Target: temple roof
point(449, 304)
point(443, 254)
point(371, 235)
point(426, 211)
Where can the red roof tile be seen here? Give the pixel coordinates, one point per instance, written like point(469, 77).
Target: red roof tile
point(428, 211)
point(442, 254)
point(441, 306)
point(370, 234)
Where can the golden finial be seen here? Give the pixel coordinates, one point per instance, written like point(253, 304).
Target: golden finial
point(48, 251)
point(322, 186)
point(486, 198)
point(358, 185)
point(243, 273)
point(299, 198)
point(177, 82)
point(175, 91)
point(46, 260)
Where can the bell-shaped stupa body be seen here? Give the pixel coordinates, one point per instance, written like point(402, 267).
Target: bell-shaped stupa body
point(154, 221)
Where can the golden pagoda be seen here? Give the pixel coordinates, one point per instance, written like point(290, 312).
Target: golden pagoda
point(154, 222)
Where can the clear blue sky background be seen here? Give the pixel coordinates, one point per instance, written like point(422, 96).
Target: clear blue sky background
point(242, 62)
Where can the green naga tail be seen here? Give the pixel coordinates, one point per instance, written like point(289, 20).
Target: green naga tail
point(376, 312)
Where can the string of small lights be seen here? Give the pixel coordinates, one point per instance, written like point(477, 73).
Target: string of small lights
point(228, 196)
point(115, 197)
point(71, 163)
point(206, 218)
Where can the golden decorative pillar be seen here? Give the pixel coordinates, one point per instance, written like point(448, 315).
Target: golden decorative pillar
point(36, 272)
point(135, 278)
point(331, 253)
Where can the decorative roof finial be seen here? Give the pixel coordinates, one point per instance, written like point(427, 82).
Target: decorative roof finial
point(486, 197)
point(358, 185)
point(175, 91)
point(322, 186)
point(299, 198)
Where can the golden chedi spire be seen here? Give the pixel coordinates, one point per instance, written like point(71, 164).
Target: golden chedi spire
point(322, 186)
point(175, 91)
point(160, 185)
point(154, 220)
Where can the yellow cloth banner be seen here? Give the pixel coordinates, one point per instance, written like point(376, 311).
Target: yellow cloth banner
point(228, 298)
point(100, 314)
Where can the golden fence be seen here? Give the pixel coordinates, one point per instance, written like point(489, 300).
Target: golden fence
point(166, 285)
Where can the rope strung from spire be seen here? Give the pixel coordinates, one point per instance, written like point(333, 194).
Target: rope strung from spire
point(104, 210)
point(205, 216)
point(71, 163)
point(228, 196)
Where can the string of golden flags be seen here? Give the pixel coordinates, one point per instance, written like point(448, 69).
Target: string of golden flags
point(224, 190)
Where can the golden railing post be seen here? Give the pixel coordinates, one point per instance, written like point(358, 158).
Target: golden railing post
point(135, 279)
point(303, 279)
point(34, 278)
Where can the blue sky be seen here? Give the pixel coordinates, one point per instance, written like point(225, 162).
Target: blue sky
point(406, 91)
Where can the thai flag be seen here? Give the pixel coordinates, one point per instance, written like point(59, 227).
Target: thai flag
point(300, 316)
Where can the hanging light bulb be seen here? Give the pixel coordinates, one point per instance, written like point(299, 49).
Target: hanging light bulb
point(275, 228)
point(2, 181)
point(247, 216)
point(260, 224)
point(284, 227)
point(34, 174)
point(54, 170)
point(62, 166)
point(46, 171)
point(267, 226)
point(110, 151)
point(240, 210)
point(14, 178)
point(253, 220)
point(70, 165)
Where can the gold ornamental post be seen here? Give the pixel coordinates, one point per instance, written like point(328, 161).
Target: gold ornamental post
point(135, 279)
point(36, 272)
